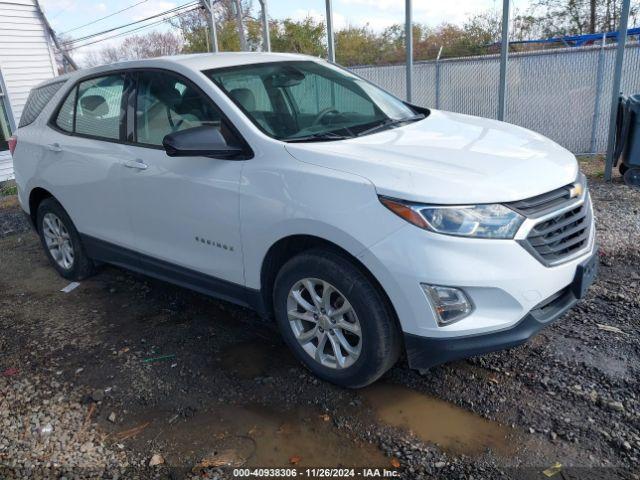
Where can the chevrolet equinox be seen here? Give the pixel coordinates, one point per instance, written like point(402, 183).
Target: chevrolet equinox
point(365, 226)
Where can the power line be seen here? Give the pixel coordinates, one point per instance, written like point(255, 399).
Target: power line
point(102, 18)
point(122, 34)
point(172, 10)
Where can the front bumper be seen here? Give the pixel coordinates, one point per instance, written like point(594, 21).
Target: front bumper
point(424, 352)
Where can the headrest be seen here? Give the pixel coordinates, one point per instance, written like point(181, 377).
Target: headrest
point(94, 105)
point(244, 97)
point(165, 93)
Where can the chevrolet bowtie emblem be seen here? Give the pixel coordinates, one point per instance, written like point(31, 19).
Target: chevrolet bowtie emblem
point(575, 191)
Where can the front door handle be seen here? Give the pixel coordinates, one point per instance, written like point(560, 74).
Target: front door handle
point(54, 147)
point(137, 164)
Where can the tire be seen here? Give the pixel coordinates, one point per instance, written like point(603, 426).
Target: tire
point(622, 168)
point(53, 221)
point(370, 353)
point(632, 177)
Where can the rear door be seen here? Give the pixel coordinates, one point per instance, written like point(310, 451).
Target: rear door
point(83, 164)
point(184, 210)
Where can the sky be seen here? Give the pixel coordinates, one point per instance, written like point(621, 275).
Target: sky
point(65, 15)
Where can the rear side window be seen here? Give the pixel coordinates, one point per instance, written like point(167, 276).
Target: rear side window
point(94, 108)
point(37, 100)
point(99, 107)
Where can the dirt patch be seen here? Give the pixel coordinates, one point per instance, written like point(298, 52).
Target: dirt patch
point(254, 436)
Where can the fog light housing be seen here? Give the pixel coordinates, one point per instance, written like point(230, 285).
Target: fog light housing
point(450, 304)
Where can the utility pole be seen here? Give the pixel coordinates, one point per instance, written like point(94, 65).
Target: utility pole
point(504, 56)
point(67, 61)
point(330, 40)
point(592, 17)
point(266, 37)
point(408, 40)
point(243, 39)
point(208, 5)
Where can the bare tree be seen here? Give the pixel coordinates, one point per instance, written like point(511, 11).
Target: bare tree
point(571, 17)
point(154, 44)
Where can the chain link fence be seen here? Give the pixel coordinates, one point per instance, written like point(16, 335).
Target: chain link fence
point(564, 94)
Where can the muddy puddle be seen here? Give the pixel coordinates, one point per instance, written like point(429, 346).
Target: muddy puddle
point(256, 358)
point(254, 437)
point(435, 421)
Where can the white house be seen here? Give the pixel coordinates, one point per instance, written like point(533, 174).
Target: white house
point(26, 59)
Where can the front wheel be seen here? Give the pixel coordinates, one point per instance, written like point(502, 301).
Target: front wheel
point(336, 321)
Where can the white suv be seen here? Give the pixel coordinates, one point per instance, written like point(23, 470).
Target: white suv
point(365, 226)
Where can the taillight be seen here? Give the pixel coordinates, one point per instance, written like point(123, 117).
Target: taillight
point(13, 143)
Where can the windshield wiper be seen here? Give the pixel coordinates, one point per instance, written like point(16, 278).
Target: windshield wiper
point(318, 137)
point(390, 123)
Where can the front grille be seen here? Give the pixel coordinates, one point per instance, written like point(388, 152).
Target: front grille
point(559, 237)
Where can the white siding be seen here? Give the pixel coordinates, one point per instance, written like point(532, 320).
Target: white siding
point(25, 58)
point(6, 167)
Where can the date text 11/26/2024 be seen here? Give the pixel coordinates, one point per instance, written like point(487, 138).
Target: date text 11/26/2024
point(316, 472)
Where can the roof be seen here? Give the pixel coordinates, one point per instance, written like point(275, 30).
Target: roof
point(201, 61)
point(195, 61)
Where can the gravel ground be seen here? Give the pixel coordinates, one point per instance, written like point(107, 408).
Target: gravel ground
point(125, 370)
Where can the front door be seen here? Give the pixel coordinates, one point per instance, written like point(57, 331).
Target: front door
point(184, 209)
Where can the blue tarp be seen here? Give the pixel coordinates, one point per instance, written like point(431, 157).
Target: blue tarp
point(579, 40)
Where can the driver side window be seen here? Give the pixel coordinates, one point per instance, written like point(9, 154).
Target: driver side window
point(166, 104)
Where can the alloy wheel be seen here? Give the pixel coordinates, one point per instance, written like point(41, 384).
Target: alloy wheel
point(324, 323)
point(58, 240)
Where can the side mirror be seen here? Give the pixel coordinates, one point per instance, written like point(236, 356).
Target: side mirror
point(203, 141)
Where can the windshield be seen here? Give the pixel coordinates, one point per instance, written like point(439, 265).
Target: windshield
point(309, 101)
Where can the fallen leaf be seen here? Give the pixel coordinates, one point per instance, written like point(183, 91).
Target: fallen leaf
point(295, 460)
point(325, 417)
point(608, 328)
point(395, 463)
point(10, 372)
point(156, 459)
point(132, 432)
point(494, 380)
point(553, 469)
point(90, 412)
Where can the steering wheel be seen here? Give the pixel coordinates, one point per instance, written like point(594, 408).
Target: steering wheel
point(174, 126)
point(323, 114)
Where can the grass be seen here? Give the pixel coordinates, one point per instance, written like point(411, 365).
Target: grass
point(8, 188)
point(592, 165)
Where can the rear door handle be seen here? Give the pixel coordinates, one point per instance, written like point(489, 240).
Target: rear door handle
point(137, 164)
point(54, 147)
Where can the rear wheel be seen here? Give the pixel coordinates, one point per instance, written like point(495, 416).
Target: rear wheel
point(61, 241)
point(335, 319)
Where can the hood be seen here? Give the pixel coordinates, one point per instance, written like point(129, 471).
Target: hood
point(449, 158)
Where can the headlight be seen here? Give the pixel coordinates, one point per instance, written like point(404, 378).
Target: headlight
point(478, 221)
